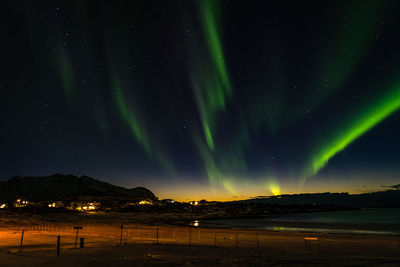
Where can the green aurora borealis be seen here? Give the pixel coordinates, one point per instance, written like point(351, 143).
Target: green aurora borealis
point(356, 127)
point(228, 96)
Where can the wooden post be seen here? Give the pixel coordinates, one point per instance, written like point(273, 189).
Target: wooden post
point(157, 236)
point(58, 245)
point(82, 243)
point(236, 240)
point(120, 239)
point(76, 236)
point(258, 245)
point(215, 239)
point(22, 238)
point(190, 237)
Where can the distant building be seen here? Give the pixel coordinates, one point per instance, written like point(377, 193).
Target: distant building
point(145, 202)
point(57, 204)
point(84, 206)
point(19, 203)
point(168, 200)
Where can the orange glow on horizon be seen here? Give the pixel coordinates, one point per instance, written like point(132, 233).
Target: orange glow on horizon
point(188, 195)
point(187, 190)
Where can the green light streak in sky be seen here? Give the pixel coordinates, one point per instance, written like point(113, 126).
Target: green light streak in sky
point(349, 44)
point(66, 72)
point(338, 54)
point(222, 167)
point(358, 126)
point(209, 103)
point(211, 83)
point(273, 186)
point(210, 10)
point(139, 132)
point(213, 173)
point(129, 116)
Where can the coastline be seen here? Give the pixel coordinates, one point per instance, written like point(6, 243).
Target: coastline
point(272, 248)
point(169, 240)
point(382, 221)
point(291, 222)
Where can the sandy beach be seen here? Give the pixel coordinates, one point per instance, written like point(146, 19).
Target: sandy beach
point(274, 248)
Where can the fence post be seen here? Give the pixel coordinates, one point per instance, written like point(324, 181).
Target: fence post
point(82, 243)
point(22, 238)
point(76, 236)
point(120, 239)
point(215, 239)
point(58, 245)
point(157, 236)
point(236, 240)
point(257, 241)
point(190, 237)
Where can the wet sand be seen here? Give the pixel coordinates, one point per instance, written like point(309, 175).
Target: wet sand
point(276, 248)
point(173, 255)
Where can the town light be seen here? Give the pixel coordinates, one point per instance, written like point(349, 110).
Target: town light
point(145, 202)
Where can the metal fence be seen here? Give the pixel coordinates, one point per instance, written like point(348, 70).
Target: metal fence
point(46, 235)
point(64, 236)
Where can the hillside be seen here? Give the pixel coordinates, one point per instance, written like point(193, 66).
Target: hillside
point(388, 198)
point(62, 187)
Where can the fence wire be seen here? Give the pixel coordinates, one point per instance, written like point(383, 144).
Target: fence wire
point(44, 236)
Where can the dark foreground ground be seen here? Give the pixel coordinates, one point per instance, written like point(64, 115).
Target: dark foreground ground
point(178, 245)
point(275, 249)
point(173, 255)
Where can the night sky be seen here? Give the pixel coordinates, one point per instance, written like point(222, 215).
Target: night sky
point(203, 99)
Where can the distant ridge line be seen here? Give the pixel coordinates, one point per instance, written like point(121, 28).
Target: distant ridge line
point(65, 187)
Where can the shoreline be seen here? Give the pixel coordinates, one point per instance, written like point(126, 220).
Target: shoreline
point(305, 228)
point(307, 222)
point(261, 222)
point(272, 248)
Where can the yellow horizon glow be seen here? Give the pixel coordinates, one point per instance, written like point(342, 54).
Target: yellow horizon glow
point(187, 190)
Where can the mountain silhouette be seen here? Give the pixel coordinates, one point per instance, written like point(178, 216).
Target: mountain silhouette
point(63, 187)
point(375, 199)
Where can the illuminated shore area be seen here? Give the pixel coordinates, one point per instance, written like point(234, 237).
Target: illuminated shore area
point(173, 239)
point(162, 233)
point(177, 246)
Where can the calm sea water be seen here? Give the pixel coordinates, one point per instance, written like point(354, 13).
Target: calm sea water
point(365, 221)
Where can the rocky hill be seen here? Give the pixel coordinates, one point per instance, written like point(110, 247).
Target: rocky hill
point(388, 198)
point(65, 187)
